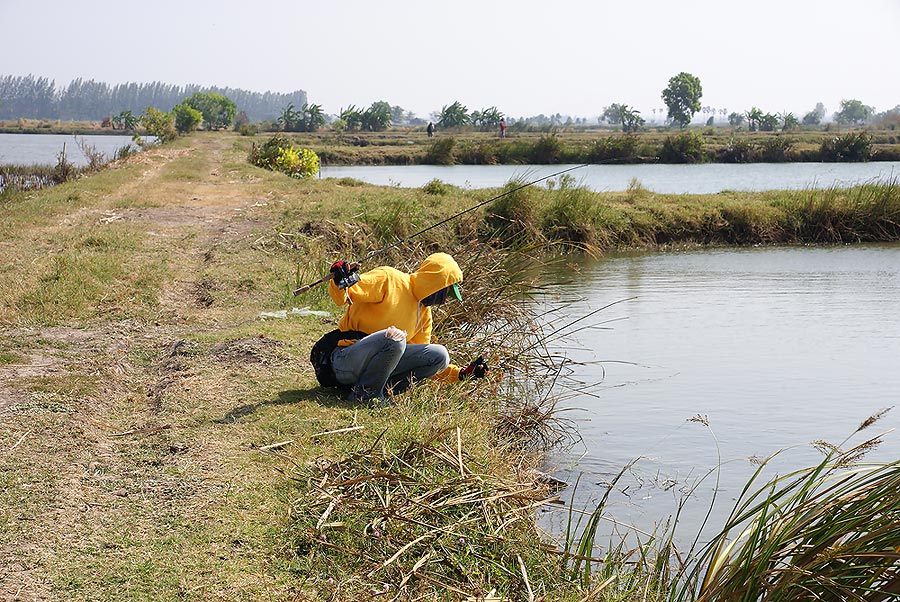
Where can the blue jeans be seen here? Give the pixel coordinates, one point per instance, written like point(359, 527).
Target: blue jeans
point(376, 363)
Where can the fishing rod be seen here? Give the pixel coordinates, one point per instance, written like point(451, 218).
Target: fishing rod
point(375, 253)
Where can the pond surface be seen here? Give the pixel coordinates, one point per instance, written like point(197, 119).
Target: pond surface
point(775, 347)
point(43, 149)
point(672, 179)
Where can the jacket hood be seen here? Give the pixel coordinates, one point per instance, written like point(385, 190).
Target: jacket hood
point(438, 271)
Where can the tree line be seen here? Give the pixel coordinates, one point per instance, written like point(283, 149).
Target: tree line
point(39, 98)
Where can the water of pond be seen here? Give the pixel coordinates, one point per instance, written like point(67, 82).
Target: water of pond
point(776, 347)
point(43, 149)
point(673, 179)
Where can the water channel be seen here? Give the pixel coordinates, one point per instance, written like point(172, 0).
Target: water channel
point(43, 149)
point(673, 179)
point(774, 347)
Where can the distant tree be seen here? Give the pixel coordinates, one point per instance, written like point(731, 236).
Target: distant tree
point(769, 122)
point(338, 126)
point(217, 110)
point(854, 112)
point(682, 97)
point(126, 120)
point(789, 122)
point(754, 117)
point(377, 117)
point(613, 113)
point(631, 119)
point(352, 116)
point(313, 117)
point(398, 115)
point(240, 120)
point(159, 124)
point(736, 119)
point(187, 119)
point(487, 119)
point(890, 119)
point(815, 116)
point(455, 115)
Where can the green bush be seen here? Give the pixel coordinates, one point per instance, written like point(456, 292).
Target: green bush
point(186, 118)
point(436, 187)
point(160, 124)
point(441, 152)
point(278, 154)
point(686, 147)
point(613, 147)
point(853, 146)
point(737, 151)
point(774, 149)
point(546, 150)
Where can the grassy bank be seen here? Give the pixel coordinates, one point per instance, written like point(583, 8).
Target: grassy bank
point(694, 145)
point(718, 144)
point(164, 440)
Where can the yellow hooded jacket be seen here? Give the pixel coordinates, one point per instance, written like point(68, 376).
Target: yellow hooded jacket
point(386, 297)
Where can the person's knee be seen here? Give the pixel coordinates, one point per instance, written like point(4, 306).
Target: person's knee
point(440, 357)
point(393, 347)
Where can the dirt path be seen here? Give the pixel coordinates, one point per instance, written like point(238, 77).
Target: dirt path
point(122, 476)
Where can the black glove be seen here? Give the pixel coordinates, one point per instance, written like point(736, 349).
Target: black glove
point(344, 273)
point(476, 369)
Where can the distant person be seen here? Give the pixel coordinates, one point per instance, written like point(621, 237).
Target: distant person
point(503, 128)
point(430, 129)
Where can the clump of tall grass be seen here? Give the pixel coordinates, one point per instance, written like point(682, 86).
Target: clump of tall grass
point(571, 214)
point(826, 532)
point(547, 150)
point(441, 152)
point(513, 217)
point(867, 213)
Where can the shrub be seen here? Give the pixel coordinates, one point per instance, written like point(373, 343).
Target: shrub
point(737, 151)
point(774, 149)
point(278, 154)
point(186, 118)
point(441, 152)
point(546, 150)
point(613, 147)
point(686, 147)
point(436, 187)
point(853, 146)
point(159, 124)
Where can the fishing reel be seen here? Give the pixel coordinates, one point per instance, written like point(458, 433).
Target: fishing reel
point(347, 281)
point(345, 274)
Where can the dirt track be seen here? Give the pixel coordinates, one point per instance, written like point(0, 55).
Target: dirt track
point(128, 435)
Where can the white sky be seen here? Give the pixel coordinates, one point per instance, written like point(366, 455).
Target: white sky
point(525, 57)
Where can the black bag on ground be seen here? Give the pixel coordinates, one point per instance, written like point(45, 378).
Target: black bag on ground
point(320, 355)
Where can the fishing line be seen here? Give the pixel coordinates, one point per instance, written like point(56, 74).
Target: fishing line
point(377, 252)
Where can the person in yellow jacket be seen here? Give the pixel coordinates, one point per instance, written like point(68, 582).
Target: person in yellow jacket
point(383, 341)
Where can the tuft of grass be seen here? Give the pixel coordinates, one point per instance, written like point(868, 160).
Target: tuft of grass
point(824, 532)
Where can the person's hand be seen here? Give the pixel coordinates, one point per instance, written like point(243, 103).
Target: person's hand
point(476, 369)
point(345, 273)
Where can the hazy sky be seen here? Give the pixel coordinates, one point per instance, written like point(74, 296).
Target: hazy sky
point(525, 57)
